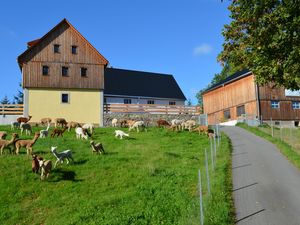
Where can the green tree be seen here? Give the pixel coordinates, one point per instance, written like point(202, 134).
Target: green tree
point(5, 100)
point(18, 99)
point(264, 36)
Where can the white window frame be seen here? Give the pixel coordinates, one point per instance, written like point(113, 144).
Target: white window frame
point(295, 105)
point(275, 104)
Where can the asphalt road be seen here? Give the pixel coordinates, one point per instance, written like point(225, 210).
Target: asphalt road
point(266, 186)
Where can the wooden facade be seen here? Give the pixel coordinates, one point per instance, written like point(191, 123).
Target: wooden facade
point(241, 95)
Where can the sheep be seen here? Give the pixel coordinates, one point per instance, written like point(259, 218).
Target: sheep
point(67, 154)
point(44, 133)
point(14, 125)
point(26, 143)
point(137, 125)
point(88, 126)
point(8, 143)
point(72, 125)
point(3, 135)
point(188, 125)
point(162, 123)
point(114, 122)
point(46, 167)
point(60, 121)
point(80, 133)
point(26, 127)
point(120, 133)
point(58, 132)
point(23, 119)
point(97, 148)
point(45, 121)
point(177, 124)
point(35, 166)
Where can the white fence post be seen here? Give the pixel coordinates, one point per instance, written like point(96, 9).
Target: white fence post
point(200, 198)
point(207, 173)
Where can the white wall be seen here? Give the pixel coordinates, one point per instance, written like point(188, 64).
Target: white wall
point(7, 119)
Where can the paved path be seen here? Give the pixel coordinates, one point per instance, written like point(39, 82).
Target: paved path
point(266, 186)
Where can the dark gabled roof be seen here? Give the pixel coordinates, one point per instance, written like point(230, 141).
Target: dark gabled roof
point(122, 82)
point(233, 77)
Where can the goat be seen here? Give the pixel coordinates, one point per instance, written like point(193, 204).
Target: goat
point(120, 133)
point(26, 127)
point(114, 122)
point(45, 121)
point(127, 123)
point(61, 156)
point(189, 124)
point(137, 125)
point(80, 133)
point(60, 121)
point(8, 143)
point(3, 135)
point(44, 133)
point(23, 119)
point(46, 167)
point(35, 166)
point(73, 125)
point(14, 125)
point(177, 124)
point(97, 148)
point(201, 129)
point(162, 123)
point(26, 143)
point(88, 126)
point(210, 133)
point(58, 132)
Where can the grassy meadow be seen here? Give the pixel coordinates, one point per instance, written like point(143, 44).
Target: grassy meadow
point(149, 178)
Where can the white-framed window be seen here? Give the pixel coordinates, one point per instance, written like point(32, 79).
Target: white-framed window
point(296, 105)
point(65, 97)
point(127, 101)
point(275, 104)
point(150, 102)
point(172, 103)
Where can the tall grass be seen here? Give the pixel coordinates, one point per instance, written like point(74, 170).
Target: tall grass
point(150, 178)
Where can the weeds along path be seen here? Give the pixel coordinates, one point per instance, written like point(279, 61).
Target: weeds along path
point(265, 184)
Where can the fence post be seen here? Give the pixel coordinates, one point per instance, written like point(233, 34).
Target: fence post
point(272, 131)
point(207, 173)
point(200, 198)
point(211, 155)
point(281, 133)
point(215, 145)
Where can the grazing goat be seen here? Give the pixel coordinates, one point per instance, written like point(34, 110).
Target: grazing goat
point(44, 133)
point(97, 148)
point(26, 127)
point(23, 119)
point(26, 143)
point(210, 133)
point(3, 135)
point(46, 167)
point(8, 143)
point(72, 125)
point(177, 124)
point(45, 121)
point(162, 123)
point(201, 129)
point(80, 133)
point(62, 155)
point(60, 121)
point(120, 133)
point(58, 132)
point(114, 122)
point(127, 123)
point(89, 126)
point(189, 124)
point(137, 125)
point(14, 125)
point(35, 166)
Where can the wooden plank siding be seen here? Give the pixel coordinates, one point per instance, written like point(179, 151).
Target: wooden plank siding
point(43, 54)
point(230, 96)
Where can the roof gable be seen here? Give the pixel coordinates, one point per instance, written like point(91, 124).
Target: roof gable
point(144, 84)
point(36, 46)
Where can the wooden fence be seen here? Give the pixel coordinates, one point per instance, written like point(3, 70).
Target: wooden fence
point(11, 109)
point(152, 109)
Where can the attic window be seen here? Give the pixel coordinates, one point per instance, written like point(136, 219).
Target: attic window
point(56, 48)
point(150, 102)
point(64, 71)
point(172, 103)
point(45, 70)
point(83, 72)
point(74, 49)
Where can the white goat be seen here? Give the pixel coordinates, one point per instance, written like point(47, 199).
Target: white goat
point(26, 127)
point(137, 125)
point(89, 126)
point(120, 133)
point(177, 124)
point(14, 125)
point(44, 133)
point(80, 133)
point(189, 124)
point(61, 156)
point(46, 167)
point(114, 122)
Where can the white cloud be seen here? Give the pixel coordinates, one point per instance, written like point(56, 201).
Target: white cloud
point(203, 49)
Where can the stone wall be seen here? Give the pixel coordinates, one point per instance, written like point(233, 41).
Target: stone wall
point(151, 118)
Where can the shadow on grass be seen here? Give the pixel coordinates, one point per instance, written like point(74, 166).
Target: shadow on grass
point(111, 153)
point(172, 154)
point(80, 162)
point(60, 174)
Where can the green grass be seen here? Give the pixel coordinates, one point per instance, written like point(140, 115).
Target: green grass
point(150, 178)
point(286, 149)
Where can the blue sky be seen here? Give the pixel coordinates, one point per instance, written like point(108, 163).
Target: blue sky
point(176, 37)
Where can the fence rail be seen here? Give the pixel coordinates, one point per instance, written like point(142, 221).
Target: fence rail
point(11, 109)
point(152, 109)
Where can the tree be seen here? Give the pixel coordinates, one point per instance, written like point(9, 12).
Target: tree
point(189, 102)
point(5, 100)
point(264, 37)
point(18, 99)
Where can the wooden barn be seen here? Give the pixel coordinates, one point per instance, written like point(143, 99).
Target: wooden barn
point(238, 95)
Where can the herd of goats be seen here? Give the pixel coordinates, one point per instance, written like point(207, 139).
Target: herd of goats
point(82, 132)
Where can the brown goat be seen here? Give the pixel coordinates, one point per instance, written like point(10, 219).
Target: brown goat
point(45, 121)
point(162, 123)
point(26, 143)
point(60, 121)
point(23, 119)
point(97, 148)
point(201, 129)
point(3, 135)
point(35, 166)
point(8, 143)
point(58, 132)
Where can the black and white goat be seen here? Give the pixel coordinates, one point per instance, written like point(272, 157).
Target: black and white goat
point(60, 156)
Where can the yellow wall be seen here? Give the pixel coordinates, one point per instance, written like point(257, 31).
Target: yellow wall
point(84, 106)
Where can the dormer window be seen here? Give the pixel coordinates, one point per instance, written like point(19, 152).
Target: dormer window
point(74, 49)
point(45, 70)
point(64, 71)
point(56, 48)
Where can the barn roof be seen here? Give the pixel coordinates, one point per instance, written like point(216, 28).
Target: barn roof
point(120, 82)
point(236, 76)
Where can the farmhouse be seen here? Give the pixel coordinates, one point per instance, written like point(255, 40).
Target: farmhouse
point(63, 75)
point(239, 94)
